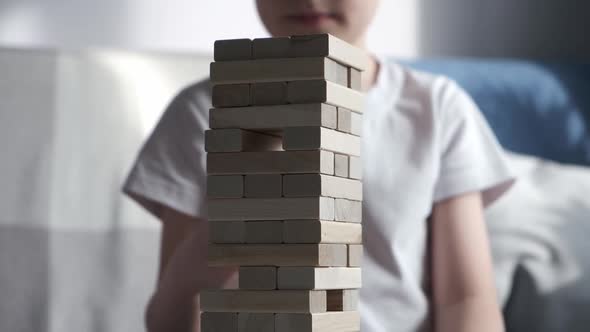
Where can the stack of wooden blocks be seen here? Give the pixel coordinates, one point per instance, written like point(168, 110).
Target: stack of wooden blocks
point(284, 184)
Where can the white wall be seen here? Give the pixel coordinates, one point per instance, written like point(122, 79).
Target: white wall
point(170, 25)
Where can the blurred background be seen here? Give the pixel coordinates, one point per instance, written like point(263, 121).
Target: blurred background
point(82, 83)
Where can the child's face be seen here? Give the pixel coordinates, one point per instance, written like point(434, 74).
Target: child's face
point(345, 19)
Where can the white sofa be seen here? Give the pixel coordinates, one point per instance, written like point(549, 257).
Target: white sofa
point(75, 254)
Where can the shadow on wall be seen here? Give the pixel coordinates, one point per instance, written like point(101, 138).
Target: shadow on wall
point(539, 29)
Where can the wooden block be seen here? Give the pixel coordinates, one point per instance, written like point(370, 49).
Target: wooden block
point(219, 322)
point(338, 73)
point(356, 124)
point(274, 117)
point(269, 93)
point(232, 49)
point(344, 119)
point(275, 301)
point(238, 140)
point(355, 255)
point(329, 46)
point(342, 300)
point(227, 232)
point(313, 231)
point(341, 165)
point(277, 162)
point(275, 70)
point(355, 169)
point(256, 322)
point(223, 140)
point(264, 231)
point(309, 185)
point(322, 91)
point(348, 211)
point(258, 277)
point(225, 186)
point(355, 79)
point(264, 185)
point(322, 278)
point(269, 48)
point(231, 95)
point(278, 255)
point(315, 138)
point(321, 208)
point(347, 321)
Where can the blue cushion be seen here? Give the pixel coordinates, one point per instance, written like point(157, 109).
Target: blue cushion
point(535, 108)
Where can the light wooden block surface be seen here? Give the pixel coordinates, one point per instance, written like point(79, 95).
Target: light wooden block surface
point(231, 95)
point(338, 73)
point(319, 278)
point(356, 124)
point(313, 231)
point(355, 255)
point(355, 168)
point(274, 117)
point(227, 232)
point(355, 79)
point(315, 138)
point(274, 301)
point(219, 322)
point(344, 119)
point(225, 186)
point(320, 208)
point(309, 185)
point(263, 185)
point(278, 255)
point(277, 162)
point(342, 300)
point(322, 91)
point(269, 93)
point(232, 49)
point(257, 277)
point(330, 46)
point(256, 322)
point(275, 70)
point(264, 231)
point(238, 140)
point(348, 211)
point(341, 164)
point(348, 321)
point(269, 48)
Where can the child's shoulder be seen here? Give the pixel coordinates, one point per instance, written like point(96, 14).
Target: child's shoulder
point(193, 99)
point(418, 77)
point(196, 91)
point(417, 84)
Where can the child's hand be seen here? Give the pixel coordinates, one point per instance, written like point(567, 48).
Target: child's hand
point(183, 273)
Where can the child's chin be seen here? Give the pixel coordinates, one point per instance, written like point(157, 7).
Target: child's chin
point(311, 29)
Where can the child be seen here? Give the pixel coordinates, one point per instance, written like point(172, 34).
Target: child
point(430, 166)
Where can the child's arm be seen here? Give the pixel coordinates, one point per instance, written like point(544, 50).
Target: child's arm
point(463, 278)
point(183, 273)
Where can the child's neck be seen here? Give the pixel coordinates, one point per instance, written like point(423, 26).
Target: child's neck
point(369, 78)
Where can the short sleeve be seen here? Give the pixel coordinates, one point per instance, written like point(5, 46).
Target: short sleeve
point(170, 168)
point(471, 158)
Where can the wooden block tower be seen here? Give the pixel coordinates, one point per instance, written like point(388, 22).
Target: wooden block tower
point(284, 184)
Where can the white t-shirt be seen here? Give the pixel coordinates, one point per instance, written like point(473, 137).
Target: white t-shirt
point(424, 140)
